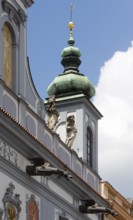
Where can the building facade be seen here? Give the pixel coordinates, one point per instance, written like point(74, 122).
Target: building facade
point(48, 152)
point(122, 206)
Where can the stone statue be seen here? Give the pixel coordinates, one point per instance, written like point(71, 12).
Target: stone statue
point(70, 131)
point(52, 113)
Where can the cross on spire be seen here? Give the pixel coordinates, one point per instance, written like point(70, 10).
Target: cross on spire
point(71, 24)
point(71, 11)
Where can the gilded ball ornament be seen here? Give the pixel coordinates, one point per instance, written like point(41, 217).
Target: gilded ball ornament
point(70, 25)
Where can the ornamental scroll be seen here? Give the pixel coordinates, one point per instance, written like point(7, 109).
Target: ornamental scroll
point(12, 204)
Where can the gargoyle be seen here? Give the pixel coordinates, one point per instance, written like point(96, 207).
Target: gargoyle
point(89, 206)
point(41, 168)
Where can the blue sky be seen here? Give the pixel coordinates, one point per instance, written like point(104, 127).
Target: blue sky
point(101, 28)
point(103, 32)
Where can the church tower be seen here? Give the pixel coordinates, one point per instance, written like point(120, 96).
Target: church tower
point(73, 92)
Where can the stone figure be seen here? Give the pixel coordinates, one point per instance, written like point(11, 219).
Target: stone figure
point(9, 192)
point(32, 209)
point(52, 113)
point(70, 131)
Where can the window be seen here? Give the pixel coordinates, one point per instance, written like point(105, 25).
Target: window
point(89, 147)
point(63, 218)
point(8, 55)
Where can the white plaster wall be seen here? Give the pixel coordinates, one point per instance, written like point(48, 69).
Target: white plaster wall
point(60, 191)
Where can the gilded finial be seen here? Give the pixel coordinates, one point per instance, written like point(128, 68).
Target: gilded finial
point(71, 24)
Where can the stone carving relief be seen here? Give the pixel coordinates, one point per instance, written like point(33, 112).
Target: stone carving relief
point(12, 204)
point(8, 153)
point(32, 209)
point(52, 113)
point(70, 131)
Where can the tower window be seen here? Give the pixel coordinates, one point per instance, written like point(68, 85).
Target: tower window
point(89, 147)
point(8, 56)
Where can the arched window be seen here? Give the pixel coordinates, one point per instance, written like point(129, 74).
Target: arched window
point(89, 146)
point(8, 56)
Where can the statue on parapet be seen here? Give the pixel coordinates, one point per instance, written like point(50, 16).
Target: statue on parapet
point(52, 113)
point(70, 131)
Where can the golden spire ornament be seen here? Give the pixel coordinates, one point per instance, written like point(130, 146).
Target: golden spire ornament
point(71, 24)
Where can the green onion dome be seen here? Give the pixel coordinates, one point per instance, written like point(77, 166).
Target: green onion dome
point(71, 81)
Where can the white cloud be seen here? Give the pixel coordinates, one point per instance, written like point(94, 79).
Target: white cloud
point(114, 99)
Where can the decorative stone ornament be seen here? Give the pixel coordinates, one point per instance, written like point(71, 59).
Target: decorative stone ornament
point(70, 131)
point(11, 203)
point(52, 113)
point(8, 152)
point(32, 209)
